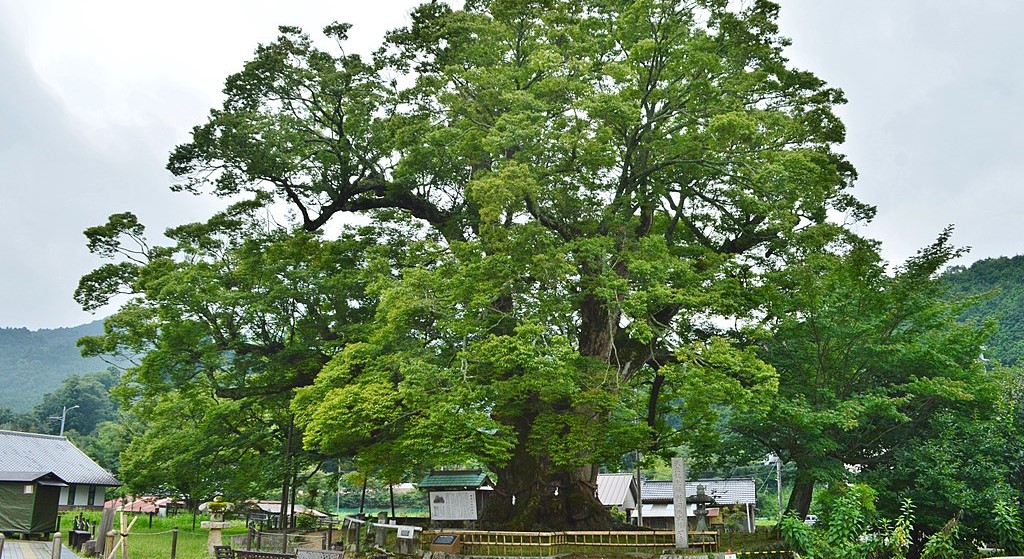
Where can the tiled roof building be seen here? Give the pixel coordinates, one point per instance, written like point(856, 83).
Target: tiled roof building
point(733, 495)
point(32, 454)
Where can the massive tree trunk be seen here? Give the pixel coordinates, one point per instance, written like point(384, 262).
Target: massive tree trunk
point(800, 498)
point(534, 494)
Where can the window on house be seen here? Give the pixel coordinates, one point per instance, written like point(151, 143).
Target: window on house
point(92, 495)
point(71, 494)
point(29, 488)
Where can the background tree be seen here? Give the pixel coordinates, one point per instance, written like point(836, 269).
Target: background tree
point(223, 326)
point(91, 393)
point(109, 440)
point(998, 289)
point(871, 365)
point(606, 180)
point(957, 462)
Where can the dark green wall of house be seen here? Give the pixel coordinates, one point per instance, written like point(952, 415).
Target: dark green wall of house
point(16, 507)
point(34, 512)
point(44, 514)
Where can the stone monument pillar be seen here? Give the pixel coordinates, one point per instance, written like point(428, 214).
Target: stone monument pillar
point(679, 501)
point(380, 533)
point(216, 524)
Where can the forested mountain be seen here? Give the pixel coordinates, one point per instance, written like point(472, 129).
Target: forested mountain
point(999, 283)
point(34, 362)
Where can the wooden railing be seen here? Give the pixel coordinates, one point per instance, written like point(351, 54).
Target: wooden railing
point(547, 544)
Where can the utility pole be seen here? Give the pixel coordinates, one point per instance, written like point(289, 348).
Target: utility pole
point(639, 493)
point(778, 482)
point(63, 417)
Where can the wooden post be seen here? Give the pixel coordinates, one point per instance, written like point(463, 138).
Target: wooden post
point(55, 549)
point(174, 542)
point(124, 536)
point(106, 525)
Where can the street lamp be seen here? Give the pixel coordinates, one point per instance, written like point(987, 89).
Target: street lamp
point(63, 417)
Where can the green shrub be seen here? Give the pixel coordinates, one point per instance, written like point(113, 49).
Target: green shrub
point(1006, 518)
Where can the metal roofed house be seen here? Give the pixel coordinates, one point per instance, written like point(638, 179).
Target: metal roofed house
point(145, 504)
point(85, 481)
point(619, 491)
point(736, 499)
point(268, 513)
point(273, 508)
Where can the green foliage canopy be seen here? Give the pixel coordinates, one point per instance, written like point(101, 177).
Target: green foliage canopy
point(872, 368)
point(226, 323)
point(602, 184)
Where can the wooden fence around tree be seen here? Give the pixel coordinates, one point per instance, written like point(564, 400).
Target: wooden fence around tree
point(549, 544)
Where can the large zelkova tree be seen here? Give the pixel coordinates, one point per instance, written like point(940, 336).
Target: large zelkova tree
point(221, 326)
point(604, 182)
point(873, 366)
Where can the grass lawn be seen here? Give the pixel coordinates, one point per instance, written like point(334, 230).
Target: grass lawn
point(154, 542)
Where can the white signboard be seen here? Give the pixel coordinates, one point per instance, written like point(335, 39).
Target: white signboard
point(453, 505)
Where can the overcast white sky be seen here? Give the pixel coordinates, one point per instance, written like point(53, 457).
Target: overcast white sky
point(93, 96)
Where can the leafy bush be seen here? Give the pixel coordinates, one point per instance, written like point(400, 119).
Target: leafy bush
point(1006, 518)
point(848, 532)
point(305, 522)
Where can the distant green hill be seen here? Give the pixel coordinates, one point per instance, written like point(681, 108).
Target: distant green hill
point(1002, 279)
point(33, 363)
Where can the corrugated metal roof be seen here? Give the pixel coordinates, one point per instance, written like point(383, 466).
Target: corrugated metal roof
point(30, 452)
point(274, 507)
point(455, 478)
point(615, 490)
point(725, 491)
point(668, 510)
